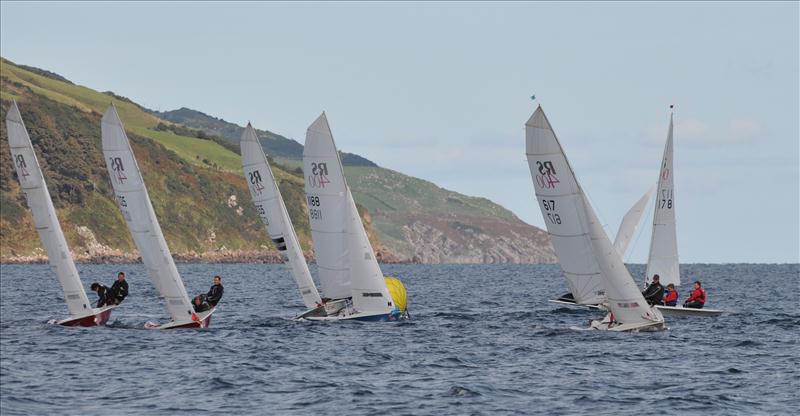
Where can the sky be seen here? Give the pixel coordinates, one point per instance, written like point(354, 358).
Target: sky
point(441, 91)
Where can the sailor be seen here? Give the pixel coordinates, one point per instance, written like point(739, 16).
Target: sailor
point(118, 291)
point(698, 297)
point(671, 295)
point(654, 292)
point(102, 291)
point(200, 304)
point(215, 293)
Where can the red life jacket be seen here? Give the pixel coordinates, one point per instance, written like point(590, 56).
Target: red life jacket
point(699, 295)
point(672, 296)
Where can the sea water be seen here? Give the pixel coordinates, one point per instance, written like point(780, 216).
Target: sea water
point(482, 340)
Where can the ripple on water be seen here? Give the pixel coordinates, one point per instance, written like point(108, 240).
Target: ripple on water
point(496, 347)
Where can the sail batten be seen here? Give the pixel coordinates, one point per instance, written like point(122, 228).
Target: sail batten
point(45, 220)
point(663, 257)
point(272, 210)
point(134, 202)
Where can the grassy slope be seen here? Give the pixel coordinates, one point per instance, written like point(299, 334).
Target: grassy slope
point(136, 120)
point(190, 196)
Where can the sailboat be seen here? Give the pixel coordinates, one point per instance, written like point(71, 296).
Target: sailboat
point(353, 285)
point(272, 210)
point(32, 182)
point(134, 202)
point(592, 265)
point(663, 257)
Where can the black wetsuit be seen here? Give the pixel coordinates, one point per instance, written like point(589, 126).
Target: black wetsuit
point(102, 296)
point(203, 306)
point(214, 294)
point(118, 292)
point(654, 293)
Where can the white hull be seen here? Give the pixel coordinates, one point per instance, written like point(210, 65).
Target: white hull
point(665, 310)
point(605, 324)
point(561, 302)
point(681, 311)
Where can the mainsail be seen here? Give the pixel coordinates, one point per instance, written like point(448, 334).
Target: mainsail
point(561, 201)
point(326, 195)
point(629, 222)
point(44, 214)
point(270, 206)
point(134, 202)
point(663, 259)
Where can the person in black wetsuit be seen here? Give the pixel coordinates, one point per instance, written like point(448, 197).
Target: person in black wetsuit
point(102, 294)
point(199, 303)
point(654, 293)
point(215, 293)
point(118, 291)
point(204, 302)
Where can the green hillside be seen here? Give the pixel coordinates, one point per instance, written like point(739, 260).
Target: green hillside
point(190, 180)
point(193, 173)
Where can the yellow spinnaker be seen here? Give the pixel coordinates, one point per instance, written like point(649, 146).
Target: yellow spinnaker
point(398, 292)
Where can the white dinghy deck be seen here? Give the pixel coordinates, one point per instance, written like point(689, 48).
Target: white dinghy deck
point(203, 320)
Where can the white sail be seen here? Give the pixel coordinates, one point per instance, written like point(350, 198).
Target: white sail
point(270, 206)
point(134, 202)
point(367, 283)
point(663, 258)
point(44, 214)
point(623, 296)
point(561, 202)
point(326, 194)
point(630, 221)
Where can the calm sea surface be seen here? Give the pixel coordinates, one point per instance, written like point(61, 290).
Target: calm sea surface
point(483, 340)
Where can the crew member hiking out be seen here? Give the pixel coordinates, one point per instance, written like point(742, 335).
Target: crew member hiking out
point(118, 291)
point(204, 302)
point(671, 295)
point(654, 292)
point(698, 297)
point(102, 294)
point(215, 293)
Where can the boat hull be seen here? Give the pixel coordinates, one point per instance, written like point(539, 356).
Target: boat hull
point(203, 321)
point(99, 317)
point(681, 311)
point(665, 310)
point(566, 303)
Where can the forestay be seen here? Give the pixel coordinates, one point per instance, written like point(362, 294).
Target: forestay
point(270, 206)
point(623, 296)
point(44, 214)
point(560, 200)
point(326, 195)
point(630, 221)
point(663, 258)
point(134, 202)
